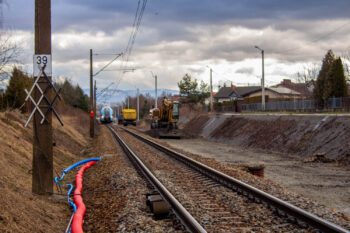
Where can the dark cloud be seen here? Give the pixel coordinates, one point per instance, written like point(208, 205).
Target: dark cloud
point(174, 35)
point(112, 14)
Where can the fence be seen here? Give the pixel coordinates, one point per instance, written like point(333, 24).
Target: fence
point(300, 105)
point(230, 108)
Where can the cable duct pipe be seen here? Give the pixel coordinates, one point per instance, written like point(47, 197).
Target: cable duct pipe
point(78, 218)
point(64, 172)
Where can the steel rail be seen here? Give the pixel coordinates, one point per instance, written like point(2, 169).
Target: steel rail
point(185, 217)
point(283, 208)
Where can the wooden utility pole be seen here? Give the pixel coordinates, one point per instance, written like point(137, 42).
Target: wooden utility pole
point(211, 90)
point(42, 179)
point(92, 113)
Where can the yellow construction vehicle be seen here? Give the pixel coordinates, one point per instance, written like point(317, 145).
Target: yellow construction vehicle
point(164, 120)
point(129, 116)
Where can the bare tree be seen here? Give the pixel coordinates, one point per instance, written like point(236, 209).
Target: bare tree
point(9, 52)
point(308, 73)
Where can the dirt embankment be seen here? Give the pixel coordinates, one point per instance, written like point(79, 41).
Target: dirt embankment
point(22, 211)
point(301, 135)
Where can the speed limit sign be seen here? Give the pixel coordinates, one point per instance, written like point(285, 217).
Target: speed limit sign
point(41, 60)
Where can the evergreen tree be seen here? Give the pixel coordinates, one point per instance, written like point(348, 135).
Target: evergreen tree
point(15, 94)
point(190, 88)
point(74, 95)
point(322, 90)
point(83, 101)
point(187, 86)
point(338, 79)
point(68, 94)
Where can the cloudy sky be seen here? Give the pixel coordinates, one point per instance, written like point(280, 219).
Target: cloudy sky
point(185, 36)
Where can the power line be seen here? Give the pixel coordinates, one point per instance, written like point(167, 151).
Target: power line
point(126, 55)
point(136, 25)
point(136, 28)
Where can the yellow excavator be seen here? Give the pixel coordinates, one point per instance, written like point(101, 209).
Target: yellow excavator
point(164, 120)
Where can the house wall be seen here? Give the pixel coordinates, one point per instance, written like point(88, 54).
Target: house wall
point(224, 99)
point(273, 95)
point(267, 92)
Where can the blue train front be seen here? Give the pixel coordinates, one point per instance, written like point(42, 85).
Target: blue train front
point(106, 115)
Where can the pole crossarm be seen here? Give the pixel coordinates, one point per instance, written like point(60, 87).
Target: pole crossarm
point(49, 103)
point(108, 64)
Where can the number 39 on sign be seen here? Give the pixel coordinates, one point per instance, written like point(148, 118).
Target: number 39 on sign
point(41, 60)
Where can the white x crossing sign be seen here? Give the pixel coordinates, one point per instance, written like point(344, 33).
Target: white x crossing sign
point(42, 64)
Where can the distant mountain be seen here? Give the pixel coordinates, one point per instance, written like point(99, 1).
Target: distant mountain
point(116, 95)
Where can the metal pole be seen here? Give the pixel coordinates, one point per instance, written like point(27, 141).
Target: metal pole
point(128, 103)
point(138, 105)
point(263, 82)
point(211, 90)
point(92, 131)
point(155, 77)
point(42, 176)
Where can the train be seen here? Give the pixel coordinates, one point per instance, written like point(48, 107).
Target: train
point(106, 115)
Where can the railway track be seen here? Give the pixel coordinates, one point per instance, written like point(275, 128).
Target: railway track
point(208, 203)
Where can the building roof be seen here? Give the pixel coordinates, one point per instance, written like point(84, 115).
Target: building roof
point(244, 91)
point(224, 92)
point(305, 89)
point(284, 90)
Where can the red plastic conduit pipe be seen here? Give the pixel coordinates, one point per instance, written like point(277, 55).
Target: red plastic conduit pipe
point(77, 223)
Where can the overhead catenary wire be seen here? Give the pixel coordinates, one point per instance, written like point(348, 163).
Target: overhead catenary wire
point(127, 52)
point(135, 28)
point(108, 64)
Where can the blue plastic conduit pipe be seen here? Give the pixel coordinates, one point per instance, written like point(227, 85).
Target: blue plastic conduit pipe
point(69, 201)
point(64, 172)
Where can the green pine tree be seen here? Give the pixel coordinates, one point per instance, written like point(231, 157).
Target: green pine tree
point(322, 88)
point(187, 86)
point(15, 94)
point(338, 77)
point(74, 95)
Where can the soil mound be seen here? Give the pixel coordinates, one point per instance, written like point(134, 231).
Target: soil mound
point(195, 125)
point(22, 211)
point(301, 135)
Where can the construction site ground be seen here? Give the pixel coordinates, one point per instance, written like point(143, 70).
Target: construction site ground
point(326, 183)
point(308, 154)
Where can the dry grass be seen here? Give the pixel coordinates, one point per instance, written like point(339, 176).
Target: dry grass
point(22, 211)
